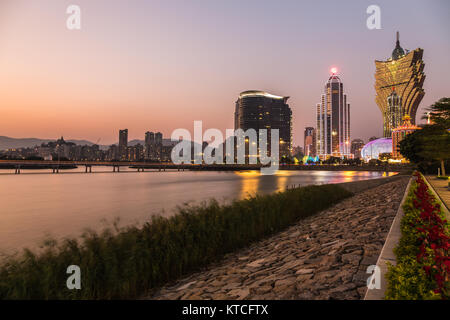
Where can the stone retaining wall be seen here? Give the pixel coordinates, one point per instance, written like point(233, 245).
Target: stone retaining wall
point(360, 186)
point(324, 256)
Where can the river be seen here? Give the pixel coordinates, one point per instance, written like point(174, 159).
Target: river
point(36, 205)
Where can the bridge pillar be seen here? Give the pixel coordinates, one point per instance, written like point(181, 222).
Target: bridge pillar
point(85, 169)
point(17, 170)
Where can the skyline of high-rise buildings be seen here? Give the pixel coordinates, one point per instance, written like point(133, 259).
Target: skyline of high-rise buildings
point(70, 99)
point(398, 84)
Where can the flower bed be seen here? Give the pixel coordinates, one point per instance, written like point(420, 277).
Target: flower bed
point(423, 262)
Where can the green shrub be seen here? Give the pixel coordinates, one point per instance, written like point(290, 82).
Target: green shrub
point(408, 281)
point(126, 263)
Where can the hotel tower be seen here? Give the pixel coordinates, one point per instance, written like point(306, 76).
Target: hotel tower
point(333, 120)
point(262, 110)
point(398, 85)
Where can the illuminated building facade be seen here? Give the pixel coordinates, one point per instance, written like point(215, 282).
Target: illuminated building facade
point(399, 133)
point(374, 148)
point(123, 144)
point(394, 111)
point(309, 146)
point(398, 84)
point(261, 110)
point(356, 147)
point(333, 120)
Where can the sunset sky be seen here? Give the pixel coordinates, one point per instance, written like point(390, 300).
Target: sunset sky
point(160, 65)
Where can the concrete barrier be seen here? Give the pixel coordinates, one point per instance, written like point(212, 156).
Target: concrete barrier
point(360, 186)
point(387, 253)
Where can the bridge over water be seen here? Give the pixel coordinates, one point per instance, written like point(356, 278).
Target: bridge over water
point(55, 166)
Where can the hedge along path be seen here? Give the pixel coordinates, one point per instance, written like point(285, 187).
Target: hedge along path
point(423, 262)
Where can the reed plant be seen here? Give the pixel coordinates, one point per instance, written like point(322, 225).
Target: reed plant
point(125, 263)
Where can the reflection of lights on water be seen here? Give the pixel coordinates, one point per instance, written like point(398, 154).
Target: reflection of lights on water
point(348, 175)
point(253, 182)
point(250, 183)
point(248, 174)
point(283, 173)
point(281, 183)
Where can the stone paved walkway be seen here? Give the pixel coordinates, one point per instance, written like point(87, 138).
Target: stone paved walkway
point(441, 187)
point(321, 257)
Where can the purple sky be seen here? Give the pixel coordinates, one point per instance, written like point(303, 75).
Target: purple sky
point(160, 65)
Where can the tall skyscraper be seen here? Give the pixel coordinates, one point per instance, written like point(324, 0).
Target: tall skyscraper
point(309, 143)
point(158, 138)
point(153, 146)
point(158, 145)
point(149, 145)
point(398, 84)
point(123, 144)
point(261, 110)
point(333, 120)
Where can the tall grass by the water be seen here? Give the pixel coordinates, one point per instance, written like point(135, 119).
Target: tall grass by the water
point(129, 262)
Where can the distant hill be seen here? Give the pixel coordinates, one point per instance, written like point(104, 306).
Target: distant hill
point(134, 142)
point(14, 143)
point(166, 142)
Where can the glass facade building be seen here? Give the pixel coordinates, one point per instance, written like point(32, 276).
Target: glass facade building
point(261, 110)
point(123, 144)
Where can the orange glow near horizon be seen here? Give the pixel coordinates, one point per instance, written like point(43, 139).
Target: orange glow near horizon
point(161, 65)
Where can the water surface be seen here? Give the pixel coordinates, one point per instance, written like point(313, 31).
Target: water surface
point(35, 204)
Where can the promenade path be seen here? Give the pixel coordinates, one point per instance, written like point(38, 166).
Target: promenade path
point(324, 256)
point(441, 188)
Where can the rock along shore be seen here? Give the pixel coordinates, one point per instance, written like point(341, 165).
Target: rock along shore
point(324, 256)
